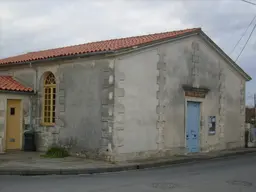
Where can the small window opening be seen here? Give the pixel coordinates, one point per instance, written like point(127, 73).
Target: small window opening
point(12, 111)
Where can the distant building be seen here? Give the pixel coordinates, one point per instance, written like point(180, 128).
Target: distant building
point(250, 115)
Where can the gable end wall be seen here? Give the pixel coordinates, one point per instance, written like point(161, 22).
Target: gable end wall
point(150, 106)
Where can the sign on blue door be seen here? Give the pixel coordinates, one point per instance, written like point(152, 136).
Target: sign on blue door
point(192, 126)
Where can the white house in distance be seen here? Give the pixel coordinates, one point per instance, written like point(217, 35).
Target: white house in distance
point(124, 99)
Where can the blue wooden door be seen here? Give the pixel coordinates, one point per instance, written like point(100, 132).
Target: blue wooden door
point(192, 126)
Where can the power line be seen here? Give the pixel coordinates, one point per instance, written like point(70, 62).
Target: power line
point(243, 34)
point(249, 2)
point(246, 42)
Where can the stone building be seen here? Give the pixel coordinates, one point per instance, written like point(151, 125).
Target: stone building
point(124, 99)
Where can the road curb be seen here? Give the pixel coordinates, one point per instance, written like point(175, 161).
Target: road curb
point(37, 172)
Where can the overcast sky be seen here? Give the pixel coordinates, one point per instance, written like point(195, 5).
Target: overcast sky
point(30, 25)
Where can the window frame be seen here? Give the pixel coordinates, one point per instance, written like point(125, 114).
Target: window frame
point(52, 104)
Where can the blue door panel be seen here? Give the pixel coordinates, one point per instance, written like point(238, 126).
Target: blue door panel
point(192, 126)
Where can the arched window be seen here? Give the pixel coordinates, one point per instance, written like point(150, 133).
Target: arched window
point(49, 99)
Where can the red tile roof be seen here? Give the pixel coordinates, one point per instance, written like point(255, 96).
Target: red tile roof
point(7, 83)
point(94, 47)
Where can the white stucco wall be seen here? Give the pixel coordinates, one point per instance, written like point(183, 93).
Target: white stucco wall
point(145, 102)
point(136, 125)
point(233, 131)
point(82, 104)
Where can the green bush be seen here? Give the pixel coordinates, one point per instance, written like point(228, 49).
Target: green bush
point(56, 152)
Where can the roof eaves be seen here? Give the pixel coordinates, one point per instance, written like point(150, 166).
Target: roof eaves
point(57, 58)
point(231, 61)
point(17, 92)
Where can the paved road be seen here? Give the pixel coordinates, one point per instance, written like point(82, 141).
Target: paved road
point(228, 175)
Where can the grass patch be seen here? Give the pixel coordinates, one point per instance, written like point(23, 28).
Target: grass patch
point(56, 152)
